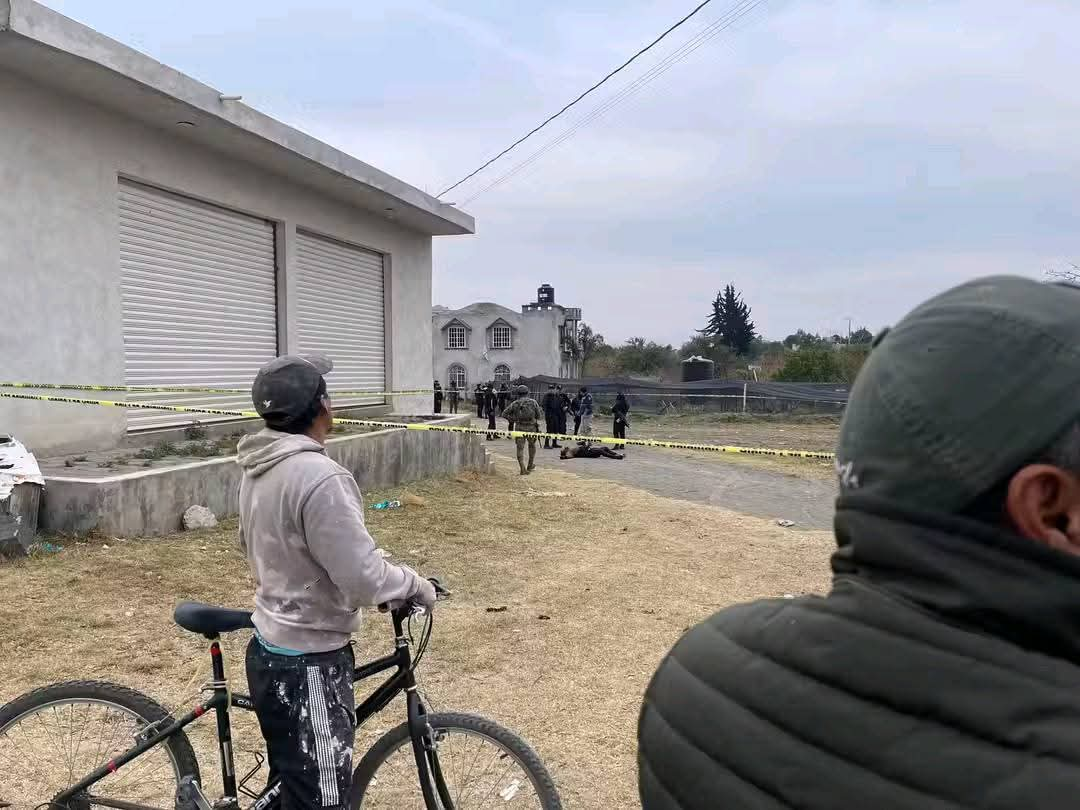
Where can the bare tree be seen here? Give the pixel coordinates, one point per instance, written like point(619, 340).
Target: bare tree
point(1069, 276)
point(589, 343)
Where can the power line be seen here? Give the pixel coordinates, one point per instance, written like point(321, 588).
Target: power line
point(726, 21)
point(715, 29)
point(551, 118)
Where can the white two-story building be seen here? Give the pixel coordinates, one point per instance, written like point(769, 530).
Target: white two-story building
point(486, 342)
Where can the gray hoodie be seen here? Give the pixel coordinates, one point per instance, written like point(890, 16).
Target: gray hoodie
point(302, 528)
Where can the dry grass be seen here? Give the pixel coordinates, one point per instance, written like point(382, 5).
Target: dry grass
point(816, 433)
point(620, 573)
point(782, 432)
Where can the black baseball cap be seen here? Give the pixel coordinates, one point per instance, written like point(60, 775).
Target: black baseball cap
point(286, 386)
point(962, 392)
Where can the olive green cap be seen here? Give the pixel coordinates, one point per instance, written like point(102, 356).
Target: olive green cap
point(962, 392)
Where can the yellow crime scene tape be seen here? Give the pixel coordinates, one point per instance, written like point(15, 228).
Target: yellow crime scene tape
point(184, 389)
point(508, 434)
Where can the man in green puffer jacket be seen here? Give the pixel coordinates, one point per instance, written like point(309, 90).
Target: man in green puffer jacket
point(943, 669)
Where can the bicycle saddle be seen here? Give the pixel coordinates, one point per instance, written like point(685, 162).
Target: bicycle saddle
point(210, 621)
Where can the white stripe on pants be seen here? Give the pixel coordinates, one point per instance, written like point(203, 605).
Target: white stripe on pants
point(324, 738)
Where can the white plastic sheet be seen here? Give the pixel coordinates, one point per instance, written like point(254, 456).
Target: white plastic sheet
point(17, 466)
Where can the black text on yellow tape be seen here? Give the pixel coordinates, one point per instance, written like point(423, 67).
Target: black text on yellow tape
point(506, 434)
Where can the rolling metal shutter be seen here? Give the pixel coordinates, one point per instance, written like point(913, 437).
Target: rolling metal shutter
point(339, 313)
point(199, 301)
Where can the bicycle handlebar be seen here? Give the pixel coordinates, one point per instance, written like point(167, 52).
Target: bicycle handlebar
point(441, 591)
point(409, 607)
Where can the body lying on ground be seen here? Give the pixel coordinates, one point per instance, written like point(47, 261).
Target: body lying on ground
point(588, 450)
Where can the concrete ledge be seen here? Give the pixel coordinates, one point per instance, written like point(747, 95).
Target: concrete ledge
point(152, 502)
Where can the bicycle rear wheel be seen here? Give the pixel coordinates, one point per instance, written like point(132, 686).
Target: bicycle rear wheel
point(482, 764)
point(52, 737)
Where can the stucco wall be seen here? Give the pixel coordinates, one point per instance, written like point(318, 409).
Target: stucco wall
point(59, 263)
point(536, 343)
point(153, 502)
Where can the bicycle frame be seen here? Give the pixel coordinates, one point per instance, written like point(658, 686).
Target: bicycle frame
point(222, 699)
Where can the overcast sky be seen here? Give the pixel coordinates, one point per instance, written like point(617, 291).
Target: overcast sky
point(831, 158)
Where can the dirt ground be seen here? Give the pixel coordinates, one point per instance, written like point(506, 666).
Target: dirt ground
point(593, 599)
point(782, 432)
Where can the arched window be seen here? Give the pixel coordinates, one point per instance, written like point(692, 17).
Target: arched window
point(502, 374)
point(456, 377)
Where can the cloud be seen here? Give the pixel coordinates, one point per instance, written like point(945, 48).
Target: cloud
point(831, 158)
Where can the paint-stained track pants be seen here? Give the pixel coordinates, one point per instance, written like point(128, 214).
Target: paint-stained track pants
point(306, 709)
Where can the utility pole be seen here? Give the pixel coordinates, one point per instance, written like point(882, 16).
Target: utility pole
point(849, 319)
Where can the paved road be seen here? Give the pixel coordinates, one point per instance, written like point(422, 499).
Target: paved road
point(739, 487)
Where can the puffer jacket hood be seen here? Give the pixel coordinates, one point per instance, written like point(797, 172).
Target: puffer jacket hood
point(261, 451)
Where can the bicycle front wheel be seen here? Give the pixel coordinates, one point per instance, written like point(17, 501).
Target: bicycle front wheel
point(481, 764)
point(54, 736)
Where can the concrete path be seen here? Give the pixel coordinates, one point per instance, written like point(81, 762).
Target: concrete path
point(673, 474)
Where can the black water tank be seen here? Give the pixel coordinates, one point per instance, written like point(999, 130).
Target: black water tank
point(697, 368)
point(545, 294)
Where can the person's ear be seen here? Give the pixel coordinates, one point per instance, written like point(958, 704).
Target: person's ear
point(1043, 504)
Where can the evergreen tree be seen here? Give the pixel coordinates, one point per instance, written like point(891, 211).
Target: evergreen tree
point(730, 321)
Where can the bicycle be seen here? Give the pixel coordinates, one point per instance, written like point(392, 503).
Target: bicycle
point(412, 765)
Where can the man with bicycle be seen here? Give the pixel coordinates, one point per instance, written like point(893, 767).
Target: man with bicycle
point(315, 566)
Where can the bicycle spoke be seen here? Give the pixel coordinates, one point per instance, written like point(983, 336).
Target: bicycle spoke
point(51, 747)
point(71, 743)
point(30, 763)
point(112, 738)
point(467, 783)
point(477, 772)
point(495, 784)
point(465, 745)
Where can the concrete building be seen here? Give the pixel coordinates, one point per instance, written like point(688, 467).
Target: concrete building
point(484, 341)
point(155, 231)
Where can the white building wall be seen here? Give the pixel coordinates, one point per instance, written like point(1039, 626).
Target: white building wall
point(536, 343)
point(59, 266)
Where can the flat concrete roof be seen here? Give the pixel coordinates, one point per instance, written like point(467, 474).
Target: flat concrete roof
point(54, 50)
